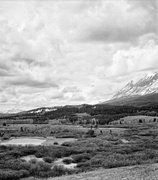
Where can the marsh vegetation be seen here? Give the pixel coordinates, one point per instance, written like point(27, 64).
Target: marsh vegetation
point(135, 145)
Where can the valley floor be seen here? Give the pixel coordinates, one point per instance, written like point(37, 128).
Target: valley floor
point(125, 153)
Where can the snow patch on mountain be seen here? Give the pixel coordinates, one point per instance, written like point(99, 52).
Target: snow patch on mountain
point(41, 110)
point(144, 86)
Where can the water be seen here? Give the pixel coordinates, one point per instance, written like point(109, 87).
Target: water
point(24, 141)
point(124, 141)
point(35, 141)
point(28, 158)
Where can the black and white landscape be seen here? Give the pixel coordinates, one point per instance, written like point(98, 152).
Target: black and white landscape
point(78, 89)
point(73, 52)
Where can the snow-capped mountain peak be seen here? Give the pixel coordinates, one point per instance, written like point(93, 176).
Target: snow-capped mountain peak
point(146, 85)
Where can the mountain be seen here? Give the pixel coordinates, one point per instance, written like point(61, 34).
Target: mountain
point(146, 85)
point(45, 110)
point(143, 92)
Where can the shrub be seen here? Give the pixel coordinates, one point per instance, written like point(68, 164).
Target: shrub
point(81, 157)
point(67, 161)
point(66, 130)
point(67, 144)
point(55, 143)
point(33, 161)
point(118, 160)
point(43, 166)
point(91, 133)
point(38, 167)
point(25, 165)
point(29, 150)
point(13, 175)
point(84, 164)
point(48, 159)
point(14, 164)
point(38, 154)
point(59, 170)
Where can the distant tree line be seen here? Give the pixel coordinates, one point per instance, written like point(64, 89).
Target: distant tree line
point(104, 113)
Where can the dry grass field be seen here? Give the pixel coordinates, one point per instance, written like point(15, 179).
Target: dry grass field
point(139, 172)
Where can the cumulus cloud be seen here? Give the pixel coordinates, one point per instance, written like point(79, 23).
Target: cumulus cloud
point(114, 22)
point(134, 59)
point(73, 89)
point(69, 52)
point(32, 83)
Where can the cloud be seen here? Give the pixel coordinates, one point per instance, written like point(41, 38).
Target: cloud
point(134, 59)
point(3, 99)
point(32, 83)
point(117, 21)
point(3, 72)
point(69, 52)
point(78, 99)
point(73, 89)
point(58, 96)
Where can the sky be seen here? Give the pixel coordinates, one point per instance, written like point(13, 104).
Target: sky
point(58, 52)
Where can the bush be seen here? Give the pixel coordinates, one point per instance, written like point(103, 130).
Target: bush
point(67, 144)
point(35, 169)
point(33, 161)
point(16, 164)
point(25, 165)
point(29, 150)
point(55, 143)
point(118, 160)
point(67, 161)
point(38, 154)
point(84, 164)
point(48, 159)
point(13, 175)
point(81, 157)
point(59, 170)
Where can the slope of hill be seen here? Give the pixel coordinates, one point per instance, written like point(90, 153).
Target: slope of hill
point(145, 100)
point(142, 93)
point(146, 85)
point(138, 172)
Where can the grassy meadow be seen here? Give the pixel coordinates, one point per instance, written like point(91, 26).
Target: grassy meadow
point(133, 145)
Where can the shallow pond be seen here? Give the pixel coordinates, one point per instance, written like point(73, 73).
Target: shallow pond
point(35, 141)
point(28, 158)
point(24, 141)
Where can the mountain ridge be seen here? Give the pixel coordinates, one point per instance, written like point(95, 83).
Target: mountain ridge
point(145, 90)
point(144, 86)
point(142, 92)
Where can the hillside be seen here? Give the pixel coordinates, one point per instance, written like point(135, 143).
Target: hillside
point(103, 112)
point(139, 172)
point(142, 93)
point(144, 86)
point(145, 100)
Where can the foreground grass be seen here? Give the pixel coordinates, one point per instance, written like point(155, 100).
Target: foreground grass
point(137, 172)
point(92, 153)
